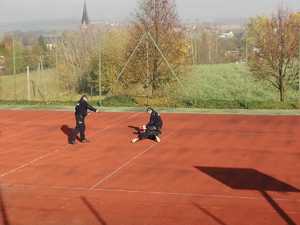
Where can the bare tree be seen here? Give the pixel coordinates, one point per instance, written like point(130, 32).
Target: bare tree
point(77, 51)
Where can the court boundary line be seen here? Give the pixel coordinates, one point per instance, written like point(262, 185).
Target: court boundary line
point(128, 162)
point(115, 122)
point(152, 192)
point(115, 171)
point(9, 172)
point(29, 163)
point(162, 193)
point(187, 194)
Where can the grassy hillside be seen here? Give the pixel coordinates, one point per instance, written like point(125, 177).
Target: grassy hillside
point(230, 86)
point(44, 87)
point(42, 84)
point(227, 86)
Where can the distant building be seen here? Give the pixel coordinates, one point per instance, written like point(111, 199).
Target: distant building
point(227, 35)
point(51, 41)
point(85, 21)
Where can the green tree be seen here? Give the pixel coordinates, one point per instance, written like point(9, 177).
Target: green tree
point(159, 18)
point(274, 44)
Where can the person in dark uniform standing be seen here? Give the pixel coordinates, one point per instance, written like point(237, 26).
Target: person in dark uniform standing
point(153, 129)
point(81, 111)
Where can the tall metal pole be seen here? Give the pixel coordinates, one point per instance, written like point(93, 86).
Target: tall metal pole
point(217, 49)
point(209, 52)
point(148, 71)
point(56, 62)
point(28, 84)
point(14, 68)
point(246, 50)
point(192, 48)
point(100, 71)
point(299, 58)
point(56, 56)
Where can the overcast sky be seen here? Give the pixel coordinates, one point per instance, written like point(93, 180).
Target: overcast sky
point(44, 10)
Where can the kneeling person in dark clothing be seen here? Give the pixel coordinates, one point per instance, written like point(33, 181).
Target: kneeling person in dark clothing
point(81, 111)
point(153, 129)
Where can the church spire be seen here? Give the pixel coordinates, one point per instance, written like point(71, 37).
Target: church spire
point(85, 18)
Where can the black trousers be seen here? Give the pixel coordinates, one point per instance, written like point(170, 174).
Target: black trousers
point(149, 134)
point(80, 128)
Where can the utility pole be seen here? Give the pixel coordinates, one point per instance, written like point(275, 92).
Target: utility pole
point(217, 49)
point(148, 71)
point(56, 55)
point(246, 49)
point(299, 58)
point(28, 84)
point(209, 51)
point(14, 68)
point(100, 71)
point(192, 48)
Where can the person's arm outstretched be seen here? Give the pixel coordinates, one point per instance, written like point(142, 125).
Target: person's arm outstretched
point(91, 108)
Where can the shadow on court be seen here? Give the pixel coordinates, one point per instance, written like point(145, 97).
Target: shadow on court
point(93, 211)
point(251, 179)
point(68, 132)
point(3, 213)
point(216, 219)
point(136, 129)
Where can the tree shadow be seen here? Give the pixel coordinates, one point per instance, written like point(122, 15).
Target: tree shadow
point(251, 179)
point(68, 132)
point(93, 211)
point(216, 219)
point(3, 211)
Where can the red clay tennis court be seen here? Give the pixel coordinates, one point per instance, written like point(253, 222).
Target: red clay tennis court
point(208, 169)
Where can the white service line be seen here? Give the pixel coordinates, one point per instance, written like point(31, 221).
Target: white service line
point(182, 194)
point(126, 163)
point(53, 152)
point(29, 163)
point(119, 119)
point(162, 193)
point(121, 167)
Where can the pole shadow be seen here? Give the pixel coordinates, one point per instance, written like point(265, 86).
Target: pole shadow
point(3, 211)
point(216, 219)
point(93, 211)
point(251, 179)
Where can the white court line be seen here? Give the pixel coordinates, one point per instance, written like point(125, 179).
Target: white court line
point(175, 194)
point(119, 119)
point(182, 194)
point(53, 152)
point(42, 187)
point(121, 167)
point(126, 164)
point(28, 164)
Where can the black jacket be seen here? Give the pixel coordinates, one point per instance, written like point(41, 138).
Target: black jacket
point(81, 109)
point(155, 121)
